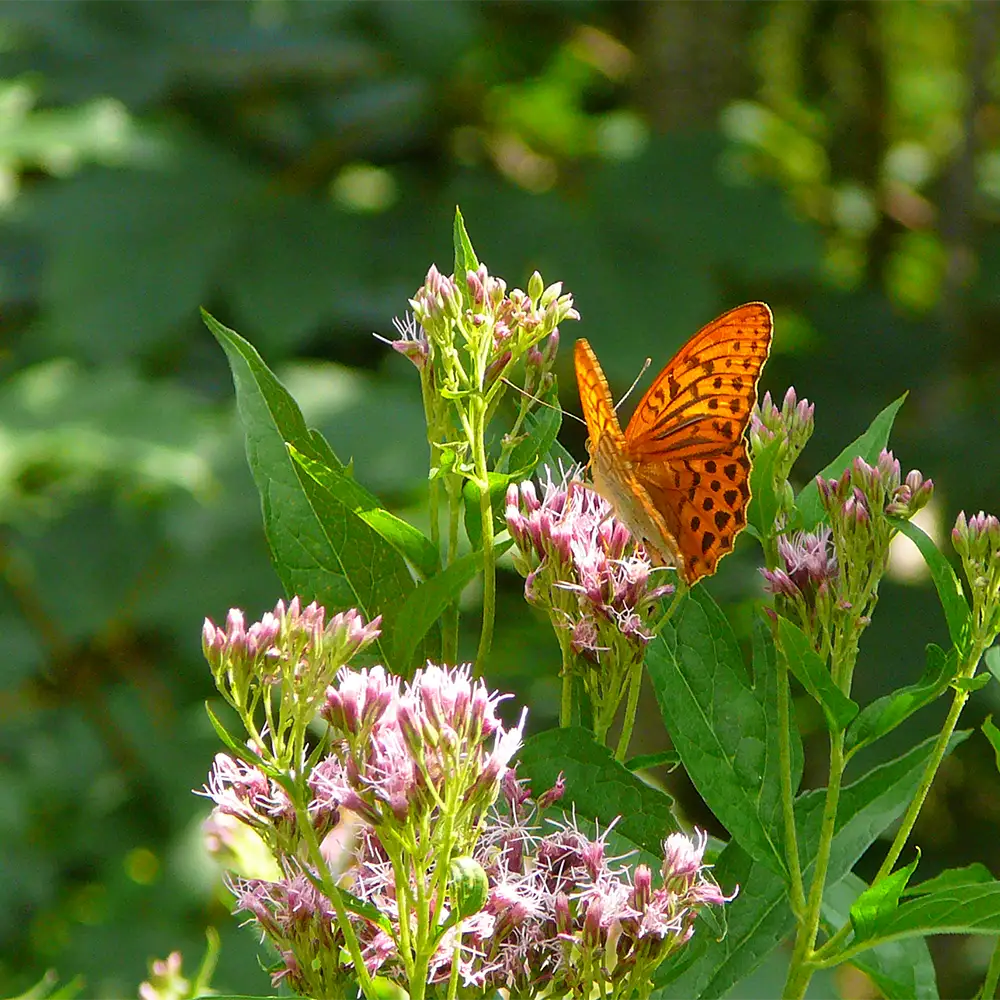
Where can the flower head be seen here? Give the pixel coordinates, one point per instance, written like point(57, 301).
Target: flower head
point(977, 542)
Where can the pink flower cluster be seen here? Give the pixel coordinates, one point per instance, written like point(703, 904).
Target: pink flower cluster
point(571, 544)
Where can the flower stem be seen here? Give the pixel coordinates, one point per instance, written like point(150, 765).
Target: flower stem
point(477, 406)
point(332, 893)
point(566, 702)
point(634, 686)
point(798, 899)
point(802, 965)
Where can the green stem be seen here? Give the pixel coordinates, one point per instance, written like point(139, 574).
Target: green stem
point(829, 953)
point(332, 893)
point(477, 408)
point(989, 990)
point(634, 685)
point(802, 966)
point(798, 899)
point(937, 755)
point(566, 701)
point(450, 618)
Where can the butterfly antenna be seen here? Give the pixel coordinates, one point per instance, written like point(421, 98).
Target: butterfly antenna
point(523, 392)
point(642, 371)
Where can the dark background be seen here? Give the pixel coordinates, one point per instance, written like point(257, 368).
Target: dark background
point(294, 167)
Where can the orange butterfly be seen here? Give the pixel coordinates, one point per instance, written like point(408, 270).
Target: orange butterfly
point(679, 477)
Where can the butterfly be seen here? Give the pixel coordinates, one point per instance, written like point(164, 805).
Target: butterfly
point(679, 475)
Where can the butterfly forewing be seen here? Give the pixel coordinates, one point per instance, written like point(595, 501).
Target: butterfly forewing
point(679, 475)
point(702, 399)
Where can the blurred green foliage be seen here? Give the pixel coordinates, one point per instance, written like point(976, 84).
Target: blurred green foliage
point(294, 167)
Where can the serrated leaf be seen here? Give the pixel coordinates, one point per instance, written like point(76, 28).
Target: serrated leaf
point(408, 541)
point(321, 549)
point(759, 918)
point(879, 901)
point(763, 497)
point(884, 714)
point(902, 970)
point(725, 732)
point(869, 445)
point(971, 908)
point(599, 786)
point(974, 874)
point(814, 675)
point(946, 582)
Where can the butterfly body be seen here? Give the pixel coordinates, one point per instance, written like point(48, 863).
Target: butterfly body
point(678, 476)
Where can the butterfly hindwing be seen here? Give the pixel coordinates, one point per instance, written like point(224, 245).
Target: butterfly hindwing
point(705, 503)
point(679, 476)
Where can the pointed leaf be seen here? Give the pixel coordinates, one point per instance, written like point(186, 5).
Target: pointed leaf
point(414, 618)
point(993, 735)
point(884, 714)
point(952, 878)
point(541, 428)
point(963, 909)
point(759, 918)
point(321, 549)
point(992, 660)
point(763, 497)
point(814, 675)
point(465, 257)
point(902, 970)
point(723, 728)
point(599, 786)
point(869, 445)
point(878, 902)
point(408, 541)
point(946, 582)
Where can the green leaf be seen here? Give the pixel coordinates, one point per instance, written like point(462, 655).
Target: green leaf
point(763, 496)
point(723, 727)
point(599, 786)
point(946, 582)
point(473, 514)
point(970, 908)
point(993, 735)
point(408, 541)
point(992, 660)
point(952, 878)
point(541, 427)
point(465, 257)
point(968, 685)
point(321, 549)
point(413, 619)
point(759, 918)
point(239, 750)
point(884, 714)
point(643, 761)
point(869, 445)
point(813, 674)
point(902, 970)
point(878, 902)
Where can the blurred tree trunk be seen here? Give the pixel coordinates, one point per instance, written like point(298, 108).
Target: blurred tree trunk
point(694, 58)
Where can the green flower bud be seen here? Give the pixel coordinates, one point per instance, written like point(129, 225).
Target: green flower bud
point(469, 886)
